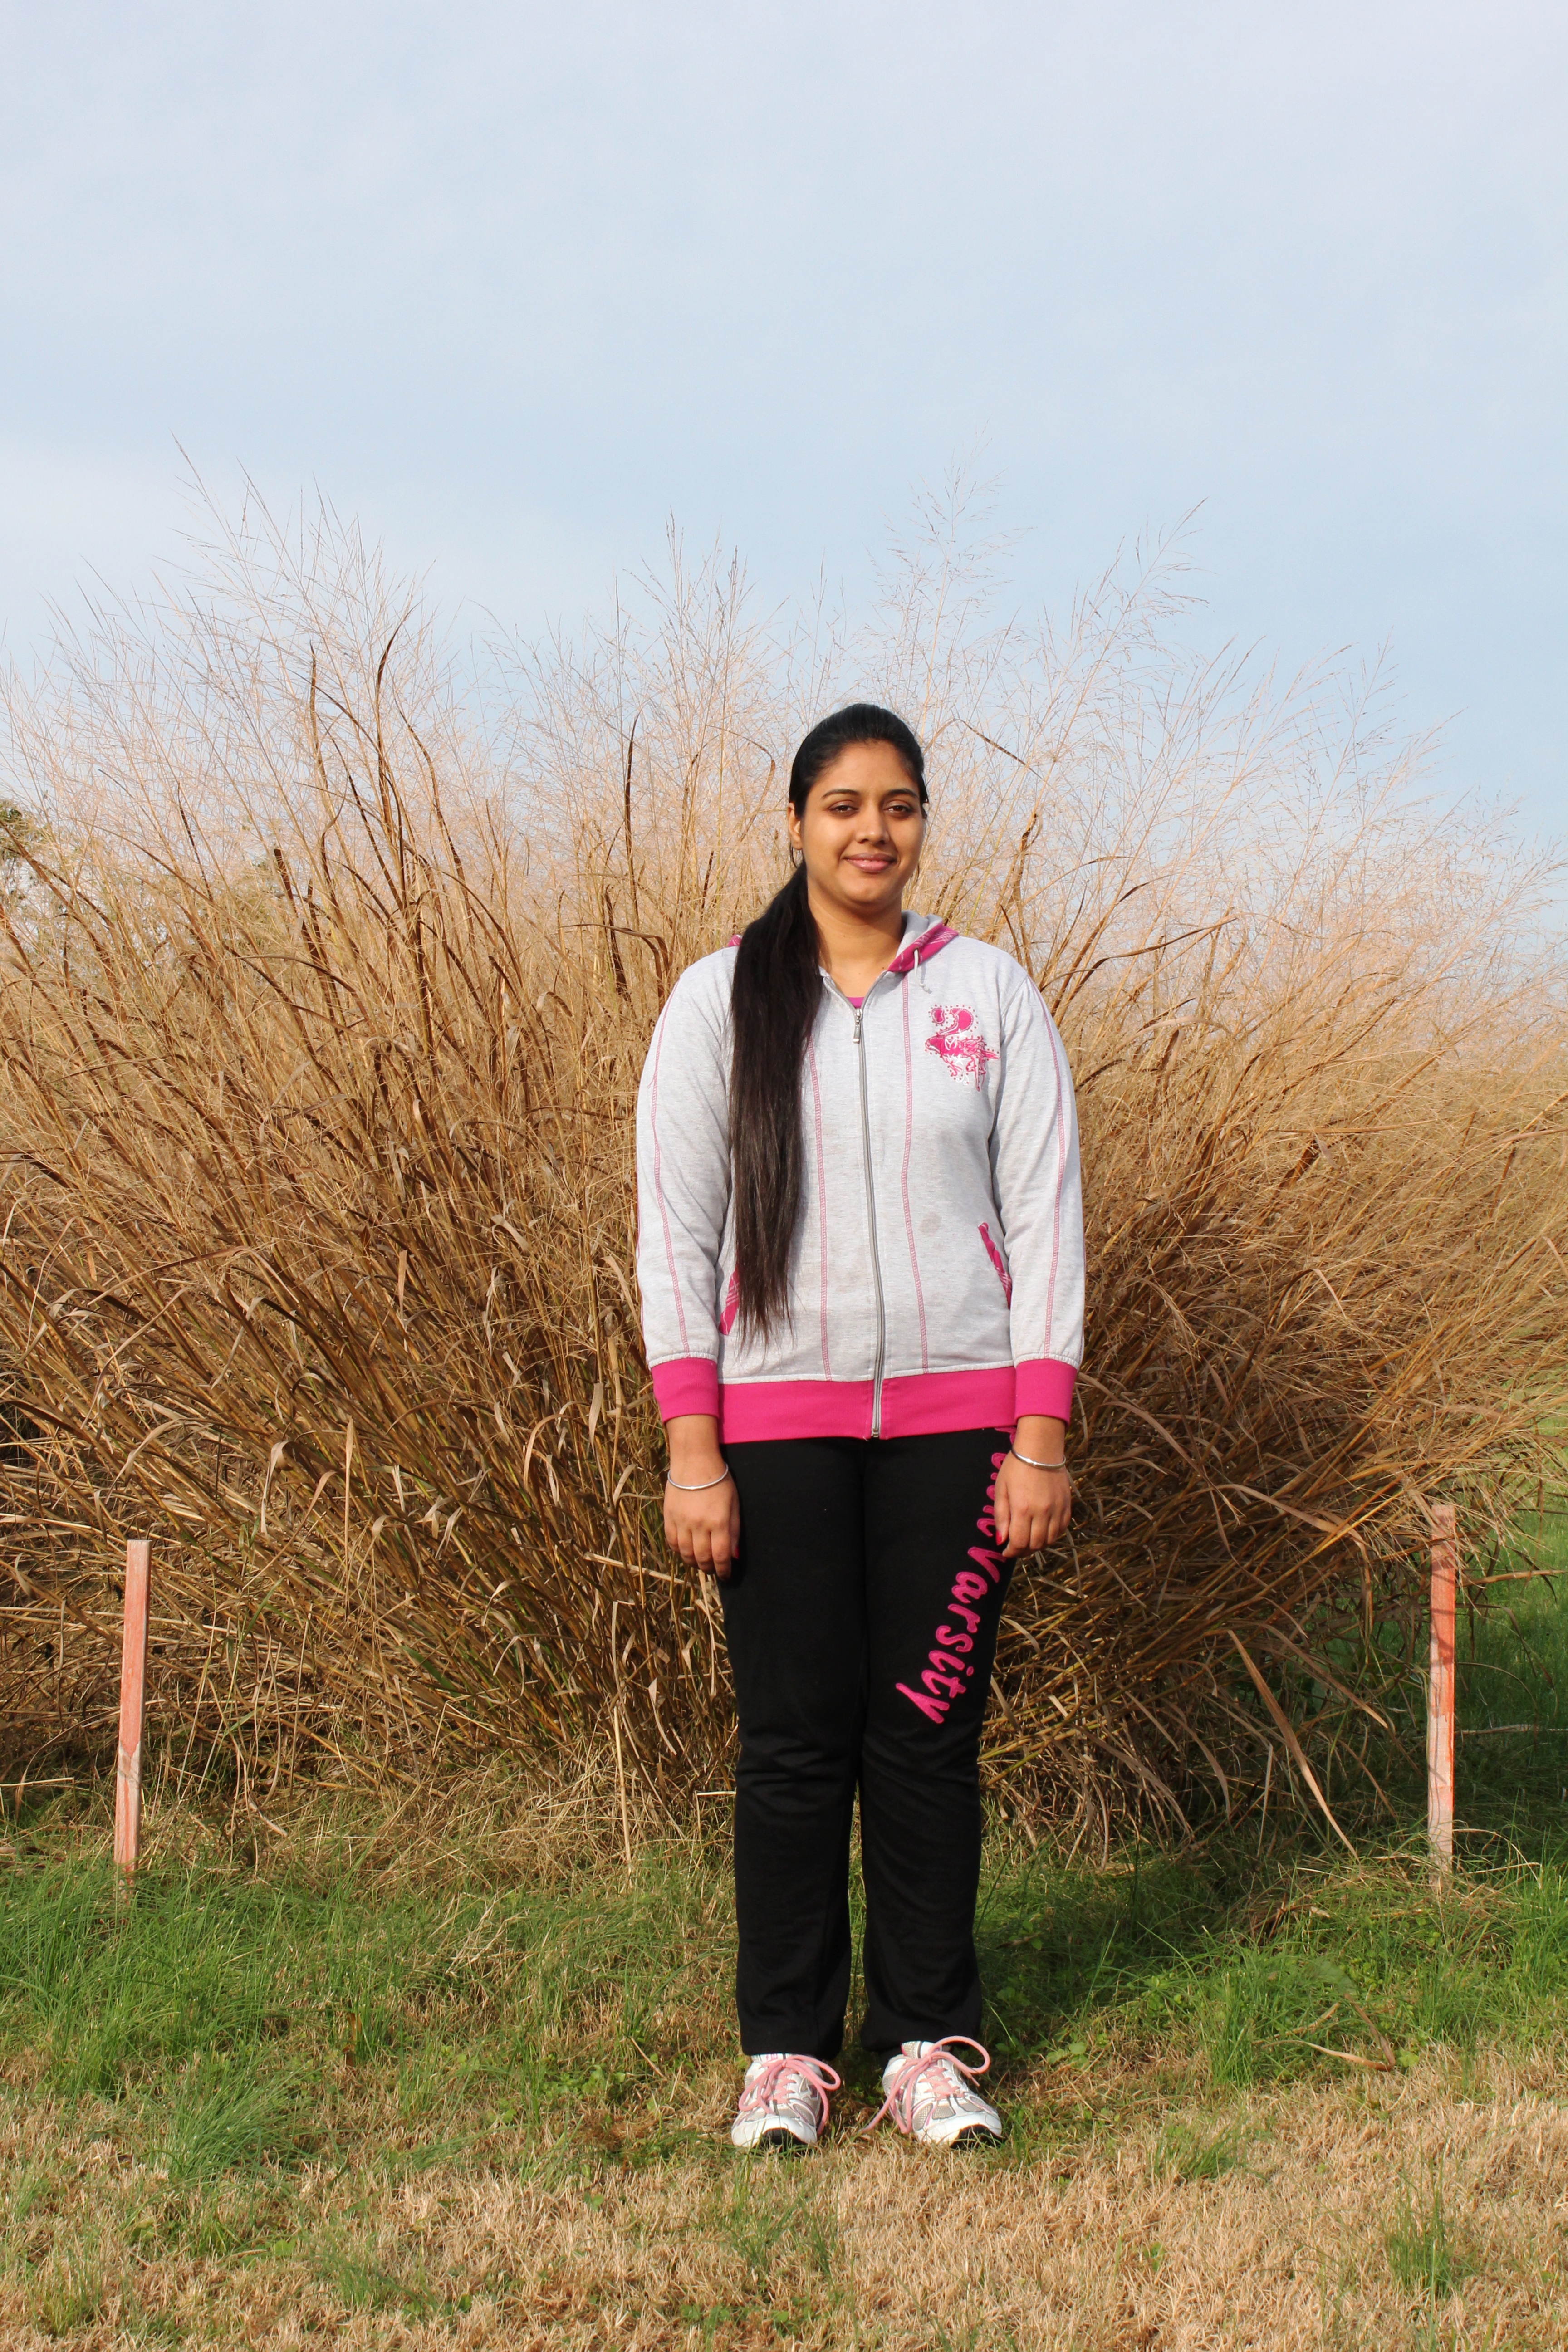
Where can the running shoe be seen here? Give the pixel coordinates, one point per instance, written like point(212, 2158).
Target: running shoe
point(928, 2093)
point(783, 2101)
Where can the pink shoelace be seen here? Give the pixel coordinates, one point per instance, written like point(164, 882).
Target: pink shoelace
point(912, 2073)
point(821, 2077)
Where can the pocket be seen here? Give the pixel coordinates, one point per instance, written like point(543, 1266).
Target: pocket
point(999, 1262)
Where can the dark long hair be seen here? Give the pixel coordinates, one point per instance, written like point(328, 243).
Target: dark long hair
point(777, 990)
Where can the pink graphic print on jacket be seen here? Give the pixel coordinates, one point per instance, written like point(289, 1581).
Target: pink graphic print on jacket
point(955, 1041)
point(732, 1303)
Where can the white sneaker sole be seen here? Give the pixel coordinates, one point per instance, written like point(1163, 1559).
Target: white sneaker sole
point(970, 2135)
point(778, 2137)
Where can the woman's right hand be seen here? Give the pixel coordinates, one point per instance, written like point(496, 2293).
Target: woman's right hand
point(704, 1526)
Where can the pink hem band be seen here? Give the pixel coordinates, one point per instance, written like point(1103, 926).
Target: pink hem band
point(914, 1404)
point(753, 1409)
point(919, 1404)
point(1045, 1385)
point(685, 1384)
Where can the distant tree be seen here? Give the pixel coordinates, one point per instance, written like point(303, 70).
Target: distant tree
point(19, 831)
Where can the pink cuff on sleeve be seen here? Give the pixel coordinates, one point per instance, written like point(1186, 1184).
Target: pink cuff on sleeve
point(1044, 1386)
point(686, 1384)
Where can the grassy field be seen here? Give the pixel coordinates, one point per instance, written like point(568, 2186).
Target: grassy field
point(452, 2074)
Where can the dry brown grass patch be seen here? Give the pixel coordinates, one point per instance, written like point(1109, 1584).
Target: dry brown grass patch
point(322, 1016)
point(1093, 2244)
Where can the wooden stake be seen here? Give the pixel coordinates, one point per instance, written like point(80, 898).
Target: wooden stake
point(621, 1785)
point(1440, 1693)
point(132, 1692)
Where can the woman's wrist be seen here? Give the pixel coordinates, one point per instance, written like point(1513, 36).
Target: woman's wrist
point(695, 1459)
point(1039, 1440)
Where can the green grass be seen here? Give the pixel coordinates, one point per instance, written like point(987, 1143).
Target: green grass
point(1189, 2152)
point(239, 2035)
point(1425, 2253)
point(228, 2022)
point(1512, 1668)
point(242, 2038)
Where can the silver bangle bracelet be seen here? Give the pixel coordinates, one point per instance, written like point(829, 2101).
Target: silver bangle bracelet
point(1031, 1464)
point(702, 1484)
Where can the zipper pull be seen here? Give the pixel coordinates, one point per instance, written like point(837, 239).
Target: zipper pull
point(859, 1010)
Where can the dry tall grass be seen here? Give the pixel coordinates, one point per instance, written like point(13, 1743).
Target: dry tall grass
point(323, 1010)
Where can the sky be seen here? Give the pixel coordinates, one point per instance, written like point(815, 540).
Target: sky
point(514, 285)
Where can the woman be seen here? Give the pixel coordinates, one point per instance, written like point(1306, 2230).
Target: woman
point(861, 1257)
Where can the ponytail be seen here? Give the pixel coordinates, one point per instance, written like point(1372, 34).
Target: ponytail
point(776, 994)
point(778, 989)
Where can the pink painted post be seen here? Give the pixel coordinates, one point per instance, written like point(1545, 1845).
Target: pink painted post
point(1440, 1698)
point(133, 1690)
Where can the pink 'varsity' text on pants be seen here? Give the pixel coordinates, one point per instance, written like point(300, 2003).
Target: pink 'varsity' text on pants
point(948, 1673)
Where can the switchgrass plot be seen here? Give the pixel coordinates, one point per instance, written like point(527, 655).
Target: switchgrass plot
point(327, 976)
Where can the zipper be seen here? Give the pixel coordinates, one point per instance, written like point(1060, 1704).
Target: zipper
point(872, 1219)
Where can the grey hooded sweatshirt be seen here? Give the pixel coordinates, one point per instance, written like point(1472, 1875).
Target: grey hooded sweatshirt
point(938, 1269)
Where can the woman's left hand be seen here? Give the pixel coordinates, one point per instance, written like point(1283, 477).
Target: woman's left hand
point(1032, 1508)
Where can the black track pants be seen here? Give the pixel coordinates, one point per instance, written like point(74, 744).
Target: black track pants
point(861, 1621)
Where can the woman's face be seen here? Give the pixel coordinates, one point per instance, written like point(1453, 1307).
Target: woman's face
point(862, 831)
